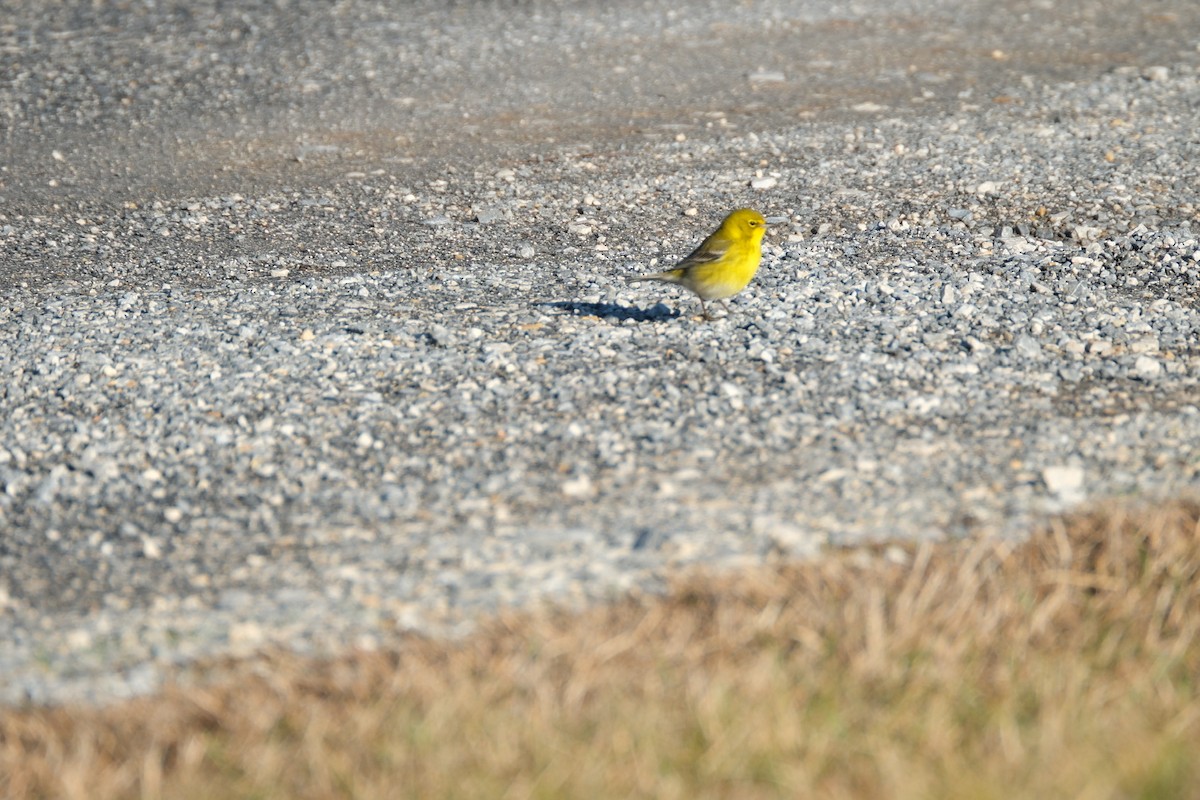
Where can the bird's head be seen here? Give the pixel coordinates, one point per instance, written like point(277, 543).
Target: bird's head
point(743, 224)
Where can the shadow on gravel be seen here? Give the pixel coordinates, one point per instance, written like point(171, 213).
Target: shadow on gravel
point(655, 313)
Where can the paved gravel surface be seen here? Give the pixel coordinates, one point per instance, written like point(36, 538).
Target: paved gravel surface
point(315, 329)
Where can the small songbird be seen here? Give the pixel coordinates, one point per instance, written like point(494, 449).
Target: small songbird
point(723, 263)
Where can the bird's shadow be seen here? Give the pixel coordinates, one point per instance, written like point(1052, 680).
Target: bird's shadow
point(654, 313)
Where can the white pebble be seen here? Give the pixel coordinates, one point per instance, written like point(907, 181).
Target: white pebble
point(1065, 480)
point(1147, 368)
point(578, 488)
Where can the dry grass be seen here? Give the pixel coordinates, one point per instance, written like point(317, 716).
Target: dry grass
point(1066, 666)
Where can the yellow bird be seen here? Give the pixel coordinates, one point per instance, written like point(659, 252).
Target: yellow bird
point(723, 264)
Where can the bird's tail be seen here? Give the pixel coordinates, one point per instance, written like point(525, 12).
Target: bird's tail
point(670, 276)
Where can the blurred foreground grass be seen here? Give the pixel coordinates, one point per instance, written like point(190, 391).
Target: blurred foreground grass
point(1066, 665)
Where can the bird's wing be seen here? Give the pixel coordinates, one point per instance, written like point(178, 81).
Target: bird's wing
point(710, 250)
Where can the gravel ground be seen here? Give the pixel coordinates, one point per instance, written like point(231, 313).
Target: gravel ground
point(323, 384)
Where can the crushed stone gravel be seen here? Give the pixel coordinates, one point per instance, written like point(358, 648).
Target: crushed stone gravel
point(402, 401)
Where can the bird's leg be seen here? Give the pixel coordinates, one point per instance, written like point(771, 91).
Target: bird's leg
point(704, 309)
